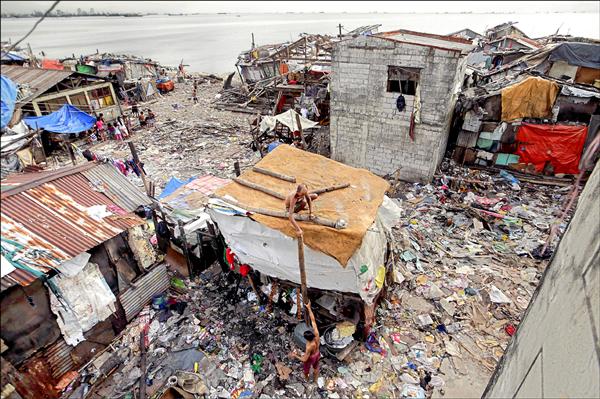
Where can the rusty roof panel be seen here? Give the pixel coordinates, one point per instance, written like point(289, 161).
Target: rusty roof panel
point(107, 179)
point(53, 223)
point(38, 80)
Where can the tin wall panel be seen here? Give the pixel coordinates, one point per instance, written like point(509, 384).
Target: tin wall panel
point(154, 282)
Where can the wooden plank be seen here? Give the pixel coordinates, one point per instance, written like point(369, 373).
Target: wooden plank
point(267, 172)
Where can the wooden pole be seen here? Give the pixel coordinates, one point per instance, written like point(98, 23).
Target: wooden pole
point(300, 130)
point(329, 189)
point(143, 364)
point(199, 239)
point(272, 295)
point(254, 289)
point(336, 224)
point(302, 270)
point(136, 160)
point(185, 247)
point(267, 172)
point(70, 151)
point(298, 306)
point(259, 188)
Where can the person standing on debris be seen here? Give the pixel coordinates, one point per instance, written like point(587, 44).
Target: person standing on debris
point(151, 117)
point(142, 119)
point(100, 127)
point(122, 127)
point(112, 131)
point(195, 94)
point(311, 355)
point(134, 109)
point(297, 201)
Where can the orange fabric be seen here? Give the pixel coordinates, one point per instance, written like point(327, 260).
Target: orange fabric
point(561, 145)
point(52, 64)
point(283, 69)
point(357, 204)
point(531, 98)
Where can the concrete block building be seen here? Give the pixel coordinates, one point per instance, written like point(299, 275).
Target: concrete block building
point(369, 74)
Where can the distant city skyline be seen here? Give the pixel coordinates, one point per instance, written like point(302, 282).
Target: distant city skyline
point(305, 6)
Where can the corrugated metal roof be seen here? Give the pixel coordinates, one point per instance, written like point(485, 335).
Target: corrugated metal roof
point(427, 39)
point(59, 358)
point(39, 80)
point(48, 215)
point(143, 289)
point(107, 179)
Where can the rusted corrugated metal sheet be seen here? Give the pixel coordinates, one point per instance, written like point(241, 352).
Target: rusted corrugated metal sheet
point(51, 221)
point(59, 358)
point(154, 282)
point(113, 184)
point(38, 80)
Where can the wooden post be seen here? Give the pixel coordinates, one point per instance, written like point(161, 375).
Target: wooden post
point(136, 160)
point(213, 233)
point(254, 289)
point(272, 295)
point(185, 247)
point(236, 167)
point(143, 364)
point(300, 130)
point(298, 306)
point(70, 151)
point(199, 239)
point(302, 271)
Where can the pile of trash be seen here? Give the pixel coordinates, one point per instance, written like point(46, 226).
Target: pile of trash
point(467, 257)
point(188, 139)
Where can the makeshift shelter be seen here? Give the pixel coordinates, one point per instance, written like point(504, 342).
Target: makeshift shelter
point(288, 119)
point(68, 119)
point(350, 259)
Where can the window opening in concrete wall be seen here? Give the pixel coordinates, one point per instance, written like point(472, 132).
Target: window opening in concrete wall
point(403, 80)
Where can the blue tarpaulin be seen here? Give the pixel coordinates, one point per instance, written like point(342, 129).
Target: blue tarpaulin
point(173, 185)
point(68, 119)
point(8, 96)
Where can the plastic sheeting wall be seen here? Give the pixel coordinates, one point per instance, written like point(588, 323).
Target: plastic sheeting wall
point(275, 254)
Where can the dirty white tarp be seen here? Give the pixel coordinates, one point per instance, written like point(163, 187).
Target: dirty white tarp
point(287, 118)
point(275, 254)
point(86, 301)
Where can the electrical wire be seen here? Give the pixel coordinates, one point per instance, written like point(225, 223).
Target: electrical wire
point(34, 26)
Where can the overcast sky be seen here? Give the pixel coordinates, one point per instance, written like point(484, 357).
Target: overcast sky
point(307, 6)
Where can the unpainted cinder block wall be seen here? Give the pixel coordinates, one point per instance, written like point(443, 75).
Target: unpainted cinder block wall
point(366, 128)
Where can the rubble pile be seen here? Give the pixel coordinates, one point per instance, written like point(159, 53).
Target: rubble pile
point(188, 139)
point(465, 262)
point(467, 259)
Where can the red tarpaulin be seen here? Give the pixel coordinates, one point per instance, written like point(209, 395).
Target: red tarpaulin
point(52, 64)
point(561, 145)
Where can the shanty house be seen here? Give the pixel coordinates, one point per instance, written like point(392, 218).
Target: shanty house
point(392, 96)
point(349, 257)
point(42, 91)
point(77, 266)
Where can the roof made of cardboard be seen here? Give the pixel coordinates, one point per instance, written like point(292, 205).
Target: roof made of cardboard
point(356, 204)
